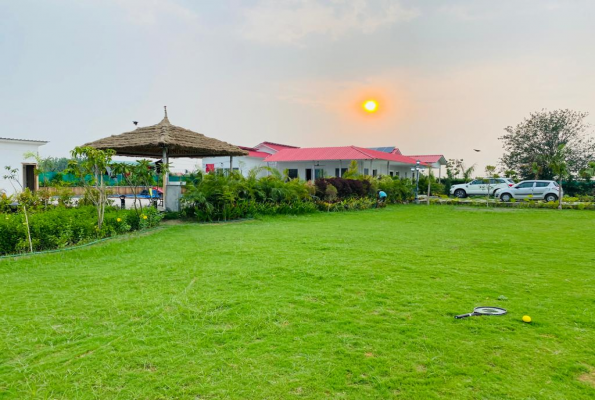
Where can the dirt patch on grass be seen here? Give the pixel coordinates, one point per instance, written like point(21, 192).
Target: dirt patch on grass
point(588, 378)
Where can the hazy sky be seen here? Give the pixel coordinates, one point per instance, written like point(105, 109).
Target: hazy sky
point(449, 75)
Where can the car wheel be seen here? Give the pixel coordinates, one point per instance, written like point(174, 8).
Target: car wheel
point(551, 197)
point(506, 197)
point(460, 193)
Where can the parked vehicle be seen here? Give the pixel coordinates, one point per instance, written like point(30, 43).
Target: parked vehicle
point(538, 190)
point(480, 187)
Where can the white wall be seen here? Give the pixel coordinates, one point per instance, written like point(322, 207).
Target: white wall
point(183, 165)
point(12, 155)
point(244, 164)
point(330, 167)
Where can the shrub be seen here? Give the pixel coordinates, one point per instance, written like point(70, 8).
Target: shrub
point(59, 227)
point(346, 188)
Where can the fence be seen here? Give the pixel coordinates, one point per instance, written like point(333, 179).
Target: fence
point(53, 178)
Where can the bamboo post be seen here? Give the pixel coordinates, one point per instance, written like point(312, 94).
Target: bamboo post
point(429, 175)
point(164, 173)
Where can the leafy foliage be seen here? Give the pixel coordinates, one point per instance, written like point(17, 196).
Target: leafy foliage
point(221, 197)
point(61, 227)
point(88, 161)
point(530, 147)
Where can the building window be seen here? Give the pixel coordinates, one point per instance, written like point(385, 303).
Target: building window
point(366, 171)
point(292, 173)
point(391, 173)
point(374, 172)
point(340, 172)
point(318, 173)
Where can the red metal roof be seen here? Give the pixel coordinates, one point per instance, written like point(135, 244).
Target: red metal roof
point(278, 146)
point(434, 158)
point(336, 153)
point(252, 152)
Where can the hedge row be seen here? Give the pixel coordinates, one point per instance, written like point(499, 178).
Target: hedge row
point(60, 227)
point(517, 204)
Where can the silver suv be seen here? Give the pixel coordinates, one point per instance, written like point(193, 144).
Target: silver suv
point(538, 190)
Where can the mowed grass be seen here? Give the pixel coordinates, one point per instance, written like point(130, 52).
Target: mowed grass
point(356, 305)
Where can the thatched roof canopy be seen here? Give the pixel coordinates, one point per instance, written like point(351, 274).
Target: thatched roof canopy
point(150, 141)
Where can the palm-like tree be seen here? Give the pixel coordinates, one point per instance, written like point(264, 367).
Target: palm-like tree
point(589, 172)
point(467, 172)
point(560, 169)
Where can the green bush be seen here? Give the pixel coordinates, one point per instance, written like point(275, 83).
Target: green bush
point(579, 188)
point(516, 204)
point(223, 197)
point(352, 204)
point(59, 227)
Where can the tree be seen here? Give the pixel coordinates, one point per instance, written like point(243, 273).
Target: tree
point(530, 147)
point(453, 168)
point(559, 168)
point(510, 173)
point(53, 164)
point(467, 172)
point(89, 166)
point(136, 176)
point(352, 171)
point(490, 170)
point(589, 172)
point(22, 199)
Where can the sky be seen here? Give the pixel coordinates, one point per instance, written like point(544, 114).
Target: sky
point(449, 76)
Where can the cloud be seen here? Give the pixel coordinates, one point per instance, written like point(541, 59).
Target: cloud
point(292, 21)
point(149, 12)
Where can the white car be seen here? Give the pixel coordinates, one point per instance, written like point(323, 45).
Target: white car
point(538, 190)
point(480, 187)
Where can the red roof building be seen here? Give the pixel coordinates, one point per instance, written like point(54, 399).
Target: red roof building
point(336, 153)
point(272, 148)
point(314, 162)
point(253, 152)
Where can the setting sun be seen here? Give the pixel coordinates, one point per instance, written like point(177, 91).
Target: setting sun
point(370, 106)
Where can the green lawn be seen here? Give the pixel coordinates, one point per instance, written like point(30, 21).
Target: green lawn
point(355, 305)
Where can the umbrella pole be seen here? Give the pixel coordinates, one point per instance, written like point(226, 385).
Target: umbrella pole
point(163, 168)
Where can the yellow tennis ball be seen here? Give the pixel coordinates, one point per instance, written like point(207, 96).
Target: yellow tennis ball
point(526, 318)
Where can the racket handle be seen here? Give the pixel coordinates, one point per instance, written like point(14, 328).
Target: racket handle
point(464, 315)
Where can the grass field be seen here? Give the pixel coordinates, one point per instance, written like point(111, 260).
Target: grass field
point(356, 305)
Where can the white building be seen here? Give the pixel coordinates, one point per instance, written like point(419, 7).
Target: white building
point(315, 162)
point(12, 154)
point(255, 158)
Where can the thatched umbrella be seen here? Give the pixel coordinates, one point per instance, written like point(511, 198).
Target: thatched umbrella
point(165, 140)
